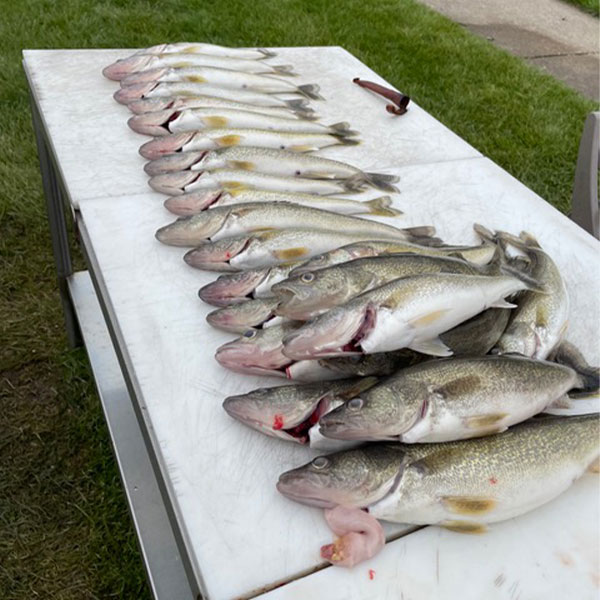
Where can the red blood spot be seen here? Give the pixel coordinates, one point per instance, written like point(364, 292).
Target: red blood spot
point(493, 480)
point(277, 422)
point(371, 574)
point(227, 255)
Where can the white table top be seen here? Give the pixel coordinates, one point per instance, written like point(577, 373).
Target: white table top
point(243, 536)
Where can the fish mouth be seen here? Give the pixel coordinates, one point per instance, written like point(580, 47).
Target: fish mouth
point(155, 123)
point(210, 258)
point(174, 184)
point(297, 489)
point(227, 289)
point(149, 75)
point(192, 203)
point(133, 92)
point(181, 161)
point(250, 359)
point(125, 66)
point(300, 302)
point(168, 144)
point(150, 105)
point(221, 318)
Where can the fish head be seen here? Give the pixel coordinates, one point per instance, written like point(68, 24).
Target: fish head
point(144, 76)
point(192, 203)
point(179, 161)
point(175, 183)
point(168, 144)
point(125, 66)
point(135, 92)
point(357, 477)
point(153, 123)
point(148, 105)
point(186, 231)
point(232, 288)
point(241, 315)
point(216, 256)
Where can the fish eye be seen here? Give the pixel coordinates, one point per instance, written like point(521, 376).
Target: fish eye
point(320, 462)
point(355, 403)
point(307, 277)
point(250, 333)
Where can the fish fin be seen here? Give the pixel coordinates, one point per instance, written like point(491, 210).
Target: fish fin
point(234, 186)
point(345, 141)
point(317, 175)
point(434, 347)
point(182, 64)
point(428, 318)
point(215, 121)
point(502, 304)
point(354, 184)
point(298, 104)
point(594, 466)
point(363, 384)
point(563, 401)
point(468, 505)
point(382, 182)
point(484, 421)
point(459, 385)
point(291, 253)
point(287, 70)
point(306, 114)
point(342, 128)
point(303, 148)
point(529, 240)
point(196, 79)
point(382, 207)
point(310, 90)
point(484, 233)
point(245, 165)
point(228, 140)
point(267, 53)
point(532, 284)
point(464, 527)
point(568, 354)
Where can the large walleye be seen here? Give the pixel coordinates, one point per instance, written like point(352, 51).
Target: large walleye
point(406, 313)
point(210, 49)
point(453, 399)
point(311, 293)
point(230, 221)
point(539, 322)
point(197, 119)
point(184, 182)
point(211, 139)
point(194, 202)
point(269, 248)
point(138, 63)
point(272, 161)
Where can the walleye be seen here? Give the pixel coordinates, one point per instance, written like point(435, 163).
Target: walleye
point(177, 184)
point(239, 318)
point(144, 63)
point(154, 89)
point(406, 313)
point(211, 139)
point(314, 292)
point(271, 161)
point(231, 221)
point(452, 399)
point(210, 49)
point(151, 105)
point(197, 119)
point(269, 248)
point(539, 322)
point(290, 412)
point(461, 485)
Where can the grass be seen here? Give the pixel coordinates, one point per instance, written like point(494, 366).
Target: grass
point(590, 6)
point(64, 528)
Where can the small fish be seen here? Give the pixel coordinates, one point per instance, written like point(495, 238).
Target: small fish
point(143, 63)
point(462, 485)
point(153, 89)
point(211, 139)
point(270, 248)
point(271, 218)
point(159, 104)
point(271, 161)
point(182, 182)
point(452, 399)
point(239, 318)
point(163, 123)
point(210, 49)
point(406, 313)
point(193, 203)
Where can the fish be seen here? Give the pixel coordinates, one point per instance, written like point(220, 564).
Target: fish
point(192, 203)
point(271, 161)
point(143, 63)
point(163, 123)
point(540, 321)
point(257, 351)
point(269, 248)
point(463, 485)
point(239, 318)
point(153, 90)
point(312, 293)
point(211, 139)
point(406, 313)
point(210, 49)
point(452, 399)
point(235, 288)
point(289, 412)
point(183, 182)
point(225, 78)
point(270, 218)
point(294, 108)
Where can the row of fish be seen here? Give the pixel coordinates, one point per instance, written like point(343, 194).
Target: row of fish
point(391, 327)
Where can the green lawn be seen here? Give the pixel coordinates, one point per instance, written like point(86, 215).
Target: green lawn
point(64, 528)
point(590, 6)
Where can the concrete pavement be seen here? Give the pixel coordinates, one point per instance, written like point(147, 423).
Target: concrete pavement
point(550, 34)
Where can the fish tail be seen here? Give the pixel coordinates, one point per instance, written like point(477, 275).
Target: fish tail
point(529, 240)
point(305, 113)
point(589, 377)
point(382, 182)
point(284, 70)
point(423, 235)
point(354, 184)
point(345, 141)
point(343, 128)
point(484, 233)
point(298, 104)
point(267, 53)
point(531, 284)
point(310, 90)
point(382, 207)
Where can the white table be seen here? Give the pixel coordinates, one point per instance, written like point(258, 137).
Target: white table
point(201, 486)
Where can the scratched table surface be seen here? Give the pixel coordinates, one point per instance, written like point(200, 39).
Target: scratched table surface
point(242, 537)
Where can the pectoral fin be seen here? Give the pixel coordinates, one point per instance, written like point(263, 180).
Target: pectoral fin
point(245, 165)
point(291, 253)
point(303, 148)
point(434, 347)
point(468, 505)
point(428, 318)
point(195, 79)
point(502, 304)
point(231, 186)
point(464, 527)
point(484, 421)
point(215, 121)
point(228, 140)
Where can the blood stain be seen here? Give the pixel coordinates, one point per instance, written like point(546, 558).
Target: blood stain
point(371, 574)
point(493, 480)
point(277, 422)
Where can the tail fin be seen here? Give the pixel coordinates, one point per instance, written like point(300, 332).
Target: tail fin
point(305, 113)
point(423, 235)
point(531, 283)
point(298, 104)
point(284, 70)
point(529, 240)
point(353, 184)
point(343, 128)
point(345, 141)
point(310, 90)
point(484, 233)
point(382, 207)
point(382, 181)
point(568, 354)
point(267, 53)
